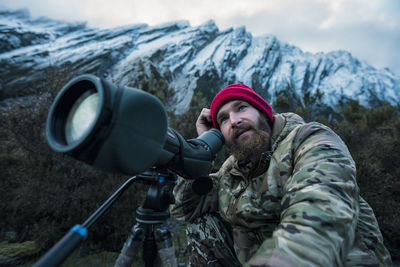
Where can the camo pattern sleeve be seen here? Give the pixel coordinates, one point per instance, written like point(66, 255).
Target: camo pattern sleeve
point(188, 205)
point(320, 207)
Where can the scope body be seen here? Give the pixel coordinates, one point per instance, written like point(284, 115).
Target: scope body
point(124, 130)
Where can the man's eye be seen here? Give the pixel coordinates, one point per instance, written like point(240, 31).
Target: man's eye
point(224, 119)
point(242, 107)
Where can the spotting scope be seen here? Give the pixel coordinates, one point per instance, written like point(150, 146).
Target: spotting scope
point(125, 130)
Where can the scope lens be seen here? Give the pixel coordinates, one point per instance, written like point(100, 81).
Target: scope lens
point(81, 116)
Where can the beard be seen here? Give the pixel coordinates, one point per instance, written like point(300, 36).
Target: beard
point(250, 150)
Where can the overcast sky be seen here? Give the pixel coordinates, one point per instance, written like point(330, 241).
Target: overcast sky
point(369, 29)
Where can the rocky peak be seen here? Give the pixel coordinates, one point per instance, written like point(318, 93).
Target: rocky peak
point(191, 59)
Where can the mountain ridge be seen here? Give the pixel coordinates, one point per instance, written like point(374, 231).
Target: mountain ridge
point(191, 59)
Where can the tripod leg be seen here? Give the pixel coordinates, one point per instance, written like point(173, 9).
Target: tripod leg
point(131, 247)
point(165, 248)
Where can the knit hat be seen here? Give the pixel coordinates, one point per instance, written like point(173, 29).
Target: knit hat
point(239, 91)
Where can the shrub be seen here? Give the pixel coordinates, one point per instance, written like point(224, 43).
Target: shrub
point(373, 138)
point(44, 193)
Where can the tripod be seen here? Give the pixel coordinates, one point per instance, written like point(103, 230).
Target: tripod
point(151, 229)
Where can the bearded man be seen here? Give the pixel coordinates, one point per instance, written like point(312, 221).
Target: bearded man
point(287, 195)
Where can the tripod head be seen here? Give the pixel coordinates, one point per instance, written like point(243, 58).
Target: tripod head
point(159, 195)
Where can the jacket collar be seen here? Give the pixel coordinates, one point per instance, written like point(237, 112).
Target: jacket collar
point(283, 125)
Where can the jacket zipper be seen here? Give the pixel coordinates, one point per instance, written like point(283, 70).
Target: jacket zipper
point(234, 203)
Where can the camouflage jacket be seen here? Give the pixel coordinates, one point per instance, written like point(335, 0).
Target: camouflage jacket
point(301, 202)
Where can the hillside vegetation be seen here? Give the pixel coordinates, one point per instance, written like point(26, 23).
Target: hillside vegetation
point(43, 194)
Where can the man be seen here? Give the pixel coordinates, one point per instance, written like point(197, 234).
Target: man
point(287, 196)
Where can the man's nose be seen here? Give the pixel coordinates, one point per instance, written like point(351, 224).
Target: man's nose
point(235, 120)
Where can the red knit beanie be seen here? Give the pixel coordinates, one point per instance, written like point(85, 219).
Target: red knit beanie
point(239, 91)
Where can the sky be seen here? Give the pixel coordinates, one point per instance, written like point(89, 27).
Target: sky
point(368, 29)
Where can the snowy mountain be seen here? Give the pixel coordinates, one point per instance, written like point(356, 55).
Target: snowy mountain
point(189, 58)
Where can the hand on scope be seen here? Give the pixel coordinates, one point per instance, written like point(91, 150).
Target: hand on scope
point(204, 122)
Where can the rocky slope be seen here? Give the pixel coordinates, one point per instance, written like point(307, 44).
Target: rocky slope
point(191, 59)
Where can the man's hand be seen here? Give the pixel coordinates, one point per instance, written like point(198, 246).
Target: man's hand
point(204, 122)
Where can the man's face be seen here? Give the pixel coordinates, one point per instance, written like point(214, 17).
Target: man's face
point(246, 131)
